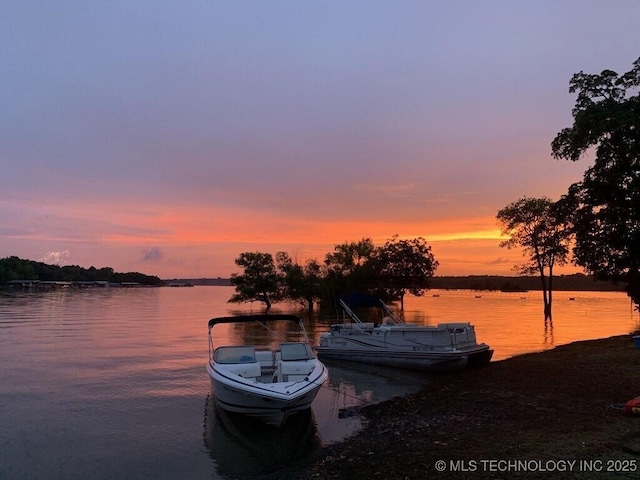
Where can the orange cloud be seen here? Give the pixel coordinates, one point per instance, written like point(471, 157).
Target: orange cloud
point(204, 240)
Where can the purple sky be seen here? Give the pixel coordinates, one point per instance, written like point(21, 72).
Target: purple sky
point(168, 137)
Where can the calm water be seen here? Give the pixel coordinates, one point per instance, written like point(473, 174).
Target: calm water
point(112, 383)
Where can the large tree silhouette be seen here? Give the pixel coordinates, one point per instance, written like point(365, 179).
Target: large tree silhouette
point(606, 204)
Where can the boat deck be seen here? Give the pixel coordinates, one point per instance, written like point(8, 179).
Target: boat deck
point(292, 362)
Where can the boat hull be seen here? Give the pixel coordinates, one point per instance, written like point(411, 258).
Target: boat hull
point(405, 360)
point(479, 359)
point(448, 361)
point(270, 403)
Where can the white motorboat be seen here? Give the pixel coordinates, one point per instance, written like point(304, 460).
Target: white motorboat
point(266, 383)
point(393, 343)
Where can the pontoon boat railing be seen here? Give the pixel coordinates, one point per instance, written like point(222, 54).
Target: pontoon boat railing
point(385, 309)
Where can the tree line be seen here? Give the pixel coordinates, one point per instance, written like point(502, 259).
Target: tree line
point(14, 268)
point(390, 271)
point(596, 224)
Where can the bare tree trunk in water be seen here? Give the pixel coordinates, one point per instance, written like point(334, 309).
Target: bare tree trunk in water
point(265, 299)
point(546, 297)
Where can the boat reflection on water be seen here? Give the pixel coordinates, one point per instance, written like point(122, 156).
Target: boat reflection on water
point(374, 383)
point(353, 385)
point(244, 447)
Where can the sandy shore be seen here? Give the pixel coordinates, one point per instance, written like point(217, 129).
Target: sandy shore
point(534, 416)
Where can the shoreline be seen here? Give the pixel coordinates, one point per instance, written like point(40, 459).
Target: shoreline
point(530, 415)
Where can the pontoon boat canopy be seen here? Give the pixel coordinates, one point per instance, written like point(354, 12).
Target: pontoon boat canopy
point(254, 318)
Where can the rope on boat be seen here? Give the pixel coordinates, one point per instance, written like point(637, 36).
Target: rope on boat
point(271, 331)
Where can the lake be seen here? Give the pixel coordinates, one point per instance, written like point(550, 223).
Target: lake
point(111, 383)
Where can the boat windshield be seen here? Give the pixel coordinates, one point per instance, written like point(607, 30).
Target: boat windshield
point(236, 354)
point(295, 351)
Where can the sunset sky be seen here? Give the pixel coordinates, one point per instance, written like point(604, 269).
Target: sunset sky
point(169, 137)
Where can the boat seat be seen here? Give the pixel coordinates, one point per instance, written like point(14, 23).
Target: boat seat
point(264, 357)
point(293, 371)
point(246, 370)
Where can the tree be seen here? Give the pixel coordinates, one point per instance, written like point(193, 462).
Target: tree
point(352, 265)
point(405, 266)
point(607, 202)
point(540, 229)
point(259, 280)
point(300, 283)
